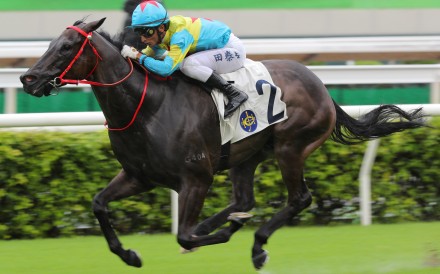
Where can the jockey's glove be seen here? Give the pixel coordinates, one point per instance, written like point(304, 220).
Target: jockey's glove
point(129, 52)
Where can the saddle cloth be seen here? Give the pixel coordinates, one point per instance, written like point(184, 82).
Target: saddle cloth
point(263, 108)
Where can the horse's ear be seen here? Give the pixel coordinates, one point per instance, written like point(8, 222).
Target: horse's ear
point(92, 26)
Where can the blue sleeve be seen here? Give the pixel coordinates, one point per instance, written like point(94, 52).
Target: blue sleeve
point(179, 46)
point(161, 67)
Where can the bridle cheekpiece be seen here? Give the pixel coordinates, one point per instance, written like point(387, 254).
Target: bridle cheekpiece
point(60, 81)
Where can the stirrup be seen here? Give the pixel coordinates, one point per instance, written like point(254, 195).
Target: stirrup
point(232, 106)
point(229, 111)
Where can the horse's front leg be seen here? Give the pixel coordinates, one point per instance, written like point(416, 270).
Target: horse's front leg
point(120, 187)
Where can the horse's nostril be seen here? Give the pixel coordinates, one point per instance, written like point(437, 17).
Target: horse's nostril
point(27, 78)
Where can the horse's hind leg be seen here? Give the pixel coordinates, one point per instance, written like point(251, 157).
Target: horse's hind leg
point(120, 187)
point(242, 178)
point(191, 198)
point(291, 163)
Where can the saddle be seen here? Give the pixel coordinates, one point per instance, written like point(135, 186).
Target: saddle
point(263, 108)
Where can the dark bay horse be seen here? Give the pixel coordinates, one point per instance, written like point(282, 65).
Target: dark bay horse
point(166, 134)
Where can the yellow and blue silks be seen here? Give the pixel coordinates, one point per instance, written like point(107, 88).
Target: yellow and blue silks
point(186, 35)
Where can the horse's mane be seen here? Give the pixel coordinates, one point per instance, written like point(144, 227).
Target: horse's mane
point(117, 40)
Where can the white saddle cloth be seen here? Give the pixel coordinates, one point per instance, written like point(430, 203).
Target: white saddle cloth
point(263, 108)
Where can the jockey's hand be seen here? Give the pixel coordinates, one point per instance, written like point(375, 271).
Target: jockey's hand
point(130, 52)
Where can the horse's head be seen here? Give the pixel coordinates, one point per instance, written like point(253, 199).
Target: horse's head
point(41, 78)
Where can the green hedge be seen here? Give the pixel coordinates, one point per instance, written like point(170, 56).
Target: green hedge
point(48, 180)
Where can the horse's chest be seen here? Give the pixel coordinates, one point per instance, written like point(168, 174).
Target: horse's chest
point(139, 155)
point(131, 152)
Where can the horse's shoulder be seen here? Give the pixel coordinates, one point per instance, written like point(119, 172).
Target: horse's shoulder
point(178, 78)
point(194, 82)
point(174, 79)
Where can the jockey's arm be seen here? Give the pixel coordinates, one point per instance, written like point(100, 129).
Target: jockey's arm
point(179, 46)
point(157, 52)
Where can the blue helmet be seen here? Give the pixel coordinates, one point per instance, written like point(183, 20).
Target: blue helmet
point(149, 14)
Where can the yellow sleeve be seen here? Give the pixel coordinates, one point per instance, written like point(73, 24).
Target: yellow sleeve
point(148, 51)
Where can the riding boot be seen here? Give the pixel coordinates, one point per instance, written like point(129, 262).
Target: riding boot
point(235, 96)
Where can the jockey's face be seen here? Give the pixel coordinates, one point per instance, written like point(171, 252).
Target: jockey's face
point(154, 39)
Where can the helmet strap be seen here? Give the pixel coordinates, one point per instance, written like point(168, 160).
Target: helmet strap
point(165, 27)
point(159, 33)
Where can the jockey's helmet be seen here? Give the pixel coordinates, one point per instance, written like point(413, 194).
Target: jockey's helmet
point(149, 14)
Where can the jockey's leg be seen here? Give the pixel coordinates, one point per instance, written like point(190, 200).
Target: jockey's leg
point(206, 66)
point(235, 96)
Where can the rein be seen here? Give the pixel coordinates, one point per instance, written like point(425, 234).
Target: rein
point(59, 81)
point(144, 92)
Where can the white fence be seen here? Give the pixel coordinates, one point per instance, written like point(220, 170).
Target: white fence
point(330, 75)
point(384, 44)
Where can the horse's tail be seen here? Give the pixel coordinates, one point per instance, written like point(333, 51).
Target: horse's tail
point(374, 124)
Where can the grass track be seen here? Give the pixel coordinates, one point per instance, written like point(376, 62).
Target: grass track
point(394, 249)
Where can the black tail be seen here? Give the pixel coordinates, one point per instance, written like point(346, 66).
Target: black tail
point(374, 124)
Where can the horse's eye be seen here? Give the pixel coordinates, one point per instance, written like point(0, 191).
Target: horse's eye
point(66, 47)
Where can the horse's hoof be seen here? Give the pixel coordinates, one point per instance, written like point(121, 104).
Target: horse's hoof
point(186, 251)
point(239, 217)
point(260, 260)
point(133, 258)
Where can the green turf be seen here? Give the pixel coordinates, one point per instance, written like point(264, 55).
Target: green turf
point(395, 249)
point(225, 4)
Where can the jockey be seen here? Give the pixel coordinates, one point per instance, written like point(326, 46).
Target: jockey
point(201, 48)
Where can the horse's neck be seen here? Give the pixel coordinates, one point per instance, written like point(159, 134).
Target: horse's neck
point(118, 102)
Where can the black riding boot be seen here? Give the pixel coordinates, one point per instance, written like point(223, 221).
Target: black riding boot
point(235, 96)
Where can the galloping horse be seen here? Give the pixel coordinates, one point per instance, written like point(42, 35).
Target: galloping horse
point(166, 134)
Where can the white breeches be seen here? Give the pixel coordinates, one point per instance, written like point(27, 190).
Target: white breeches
point(200, 65)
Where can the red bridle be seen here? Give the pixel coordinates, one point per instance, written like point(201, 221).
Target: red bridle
point(59, 81)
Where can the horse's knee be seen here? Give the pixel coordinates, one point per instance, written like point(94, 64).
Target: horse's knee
point(97, 206)
point(300, 203)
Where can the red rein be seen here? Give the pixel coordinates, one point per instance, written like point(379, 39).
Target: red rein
point(58, 81)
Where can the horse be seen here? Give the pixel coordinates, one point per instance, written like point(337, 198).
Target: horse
point(166, 133)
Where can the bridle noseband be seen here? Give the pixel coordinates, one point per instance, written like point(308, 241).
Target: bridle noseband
point(60, 81)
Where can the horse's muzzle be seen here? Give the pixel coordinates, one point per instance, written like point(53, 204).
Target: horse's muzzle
point(33, 86)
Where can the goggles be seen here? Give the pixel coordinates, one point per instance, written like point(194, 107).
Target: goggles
point(147, 32)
